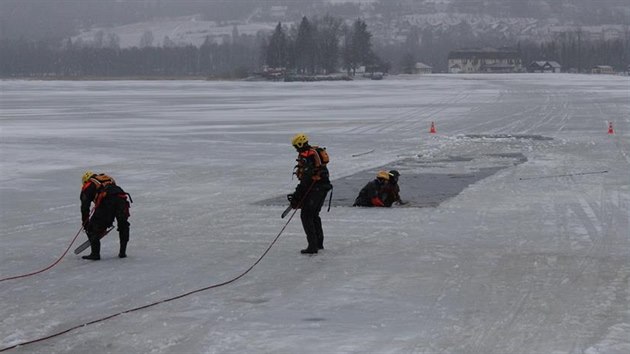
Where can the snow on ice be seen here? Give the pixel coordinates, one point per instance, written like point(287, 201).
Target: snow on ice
point(524, 254)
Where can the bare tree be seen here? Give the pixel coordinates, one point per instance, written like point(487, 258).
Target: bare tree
point(167, 42)
point(146, 40)
point(99, 38)
point(112, 41)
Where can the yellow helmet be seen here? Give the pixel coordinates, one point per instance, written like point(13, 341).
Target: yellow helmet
point(87, 176)
point(383, 175)
point(299, 140)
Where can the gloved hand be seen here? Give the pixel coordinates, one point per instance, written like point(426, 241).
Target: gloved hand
point(85, 222)
point(293, 200)
point(377, 202)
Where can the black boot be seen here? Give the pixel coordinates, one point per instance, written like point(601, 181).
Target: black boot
point(320, 233)
point(123, 250)
point(309, 251)
point(123, 229)
point(95, 255)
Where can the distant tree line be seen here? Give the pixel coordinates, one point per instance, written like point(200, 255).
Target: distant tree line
point(321, 46)
point(19, 58)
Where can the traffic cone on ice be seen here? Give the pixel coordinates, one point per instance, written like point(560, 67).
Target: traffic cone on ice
point(432, 130)
point(610, 128)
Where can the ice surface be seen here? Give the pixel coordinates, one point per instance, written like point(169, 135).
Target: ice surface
point(503, 266)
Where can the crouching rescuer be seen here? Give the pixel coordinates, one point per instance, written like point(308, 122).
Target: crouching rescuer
point(310, 193)
point(110, 202)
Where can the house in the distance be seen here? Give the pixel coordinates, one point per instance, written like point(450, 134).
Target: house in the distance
point(544, 67)
point(602, 69)
point(454, 69)
point(421, 68)
point(278, 12)
point(486, 60)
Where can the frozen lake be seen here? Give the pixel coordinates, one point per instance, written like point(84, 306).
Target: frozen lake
point(519, 240)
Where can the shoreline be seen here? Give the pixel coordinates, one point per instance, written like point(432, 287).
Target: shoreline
point(116, 78)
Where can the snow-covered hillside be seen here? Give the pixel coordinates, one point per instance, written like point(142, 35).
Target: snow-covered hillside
point(193, 30)
point(61, 19)
point(491, 21)
point(179, 31)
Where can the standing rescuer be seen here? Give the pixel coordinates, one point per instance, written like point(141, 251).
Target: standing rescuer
point(110, 202)
point(310, 193)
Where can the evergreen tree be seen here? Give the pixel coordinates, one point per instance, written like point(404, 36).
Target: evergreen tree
point(305, 48)
point(277, 50)
point(358, 47)
point(329, 32)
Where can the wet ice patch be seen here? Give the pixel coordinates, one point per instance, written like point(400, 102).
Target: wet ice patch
point(424, 181)
point(507, 136)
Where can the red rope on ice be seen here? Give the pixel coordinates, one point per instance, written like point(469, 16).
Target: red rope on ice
point(50, 266)
point(57, 261)
point(168, 299)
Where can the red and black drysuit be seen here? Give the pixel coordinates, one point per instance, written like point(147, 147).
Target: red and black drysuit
point(110, 202)
point(310, 195)
point(391, 193)
point(370, 195)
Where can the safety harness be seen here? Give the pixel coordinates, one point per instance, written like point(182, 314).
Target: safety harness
point(321, 159)
point(104, 184)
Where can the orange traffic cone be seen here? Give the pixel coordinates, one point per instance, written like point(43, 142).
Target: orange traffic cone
point(432, 130)
point(610, 128)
